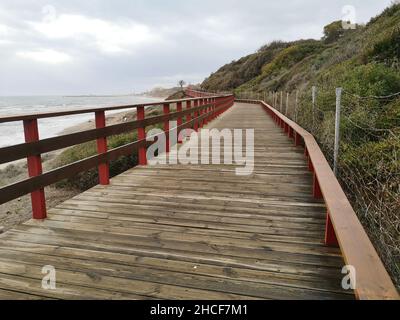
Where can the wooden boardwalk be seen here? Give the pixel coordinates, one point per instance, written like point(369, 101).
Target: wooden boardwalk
point(185, 232)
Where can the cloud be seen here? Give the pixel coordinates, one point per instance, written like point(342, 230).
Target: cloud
point(102, 46)
point(45, 56)
point(4, 30)
point(107, 36)
point(4, 33)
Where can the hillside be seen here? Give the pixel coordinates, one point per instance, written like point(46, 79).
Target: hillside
point(160, 92)
point(296, 65)
point(365, 62)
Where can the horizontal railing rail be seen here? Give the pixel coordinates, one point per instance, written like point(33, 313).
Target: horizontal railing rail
point(68, 112)
point(343, 227)
point(198, 112)
point(197, 93)
point(17, 152)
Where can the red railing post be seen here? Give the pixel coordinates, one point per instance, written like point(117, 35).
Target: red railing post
point(215, 107)
point(38, 199)
point(188, 107)
point(316, 188)
point(212, 108)
point(205, 121)
point(310, 165)
point(330, 235)
point(209, 118)
point(297, 139)
point(179, 120)
point(205, 112)
point(104, 169)
point(202, 111)
point(212, 101)
point(140, 115)
point(196, 114)
point(291, 132)
point(166, 111)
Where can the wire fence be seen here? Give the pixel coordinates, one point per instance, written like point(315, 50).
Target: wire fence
point(367, 154)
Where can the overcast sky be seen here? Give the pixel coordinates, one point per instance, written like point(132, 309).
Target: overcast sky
point(120, 46)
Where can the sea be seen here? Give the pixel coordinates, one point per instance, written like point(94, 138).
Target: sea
point(11, 133)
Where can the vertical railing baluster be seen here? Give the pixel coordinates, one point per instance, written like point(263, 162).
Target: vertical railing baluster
point(140, 115)
point(179, 121)
point(188, 107)
point(38, 199)
point(202, 111)
point(207, 110)
point(196, 114)
point(103, 168)
point(215, 105)
point(330, 235)
point(166, 110)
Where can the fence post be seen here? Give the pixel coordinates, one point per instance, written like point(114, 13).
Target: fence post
point(201, 111)
point(337, 130)
point(188, 107)
point(166, 110)
point(179, 121)
point(296, 106)
point(330, 235)
point(196, 115)
point(214, 106)
point(314, 94)
point(189, 115)
point(104, 169)
point(38, 200)
point(140, 114)
point(207, 119)
point(281, 106)
point(287, 105)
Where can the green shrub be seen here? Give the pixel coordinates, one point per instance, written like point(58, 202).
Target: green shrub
point(333, 31)
point(387, 50)
point(88, 179)
point(379, 162)
point(373, 79)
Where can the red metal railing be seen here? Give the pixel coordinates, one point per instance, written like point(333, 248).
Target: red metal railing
point(199, 110)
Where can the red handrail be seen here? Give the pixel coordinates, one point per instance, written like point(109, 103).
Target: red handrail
point(33, 147)
point(343, 228)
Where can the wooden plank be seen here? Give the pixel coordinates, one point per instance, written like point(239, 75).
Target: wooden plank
point(133, 277)
point(106, 260)
point(373, 281)
point(300, 270)
point(123, 242)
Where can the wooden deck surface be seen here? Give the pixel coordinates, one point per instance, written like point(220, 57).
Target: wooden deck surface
point(185, 232)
